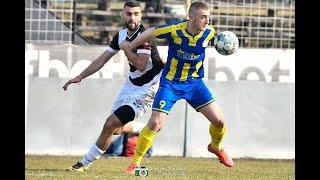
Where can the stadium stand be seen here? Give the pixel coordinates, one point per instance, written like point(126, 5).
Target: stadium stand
point(257, 23)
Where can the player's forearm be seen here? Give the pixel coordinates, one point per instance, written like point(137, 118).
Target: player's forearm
point(96, 65)
point(137, 62)
point(142, 38)
point(91, 69)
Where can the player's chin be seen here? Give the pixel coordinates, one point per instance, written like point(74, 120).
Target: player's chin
point(202, 28)
point(132, 27)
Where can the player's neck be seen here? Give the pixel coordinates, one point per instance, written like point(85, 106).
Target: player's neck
point(191, 29)
point(134, 31)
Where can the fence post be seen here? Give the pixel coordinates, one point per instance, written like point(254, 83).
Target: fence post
point(185, 130)
point(74, 18)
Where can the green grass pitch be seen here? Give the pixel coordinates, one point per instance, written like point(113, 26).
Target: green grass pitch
point(54, 167)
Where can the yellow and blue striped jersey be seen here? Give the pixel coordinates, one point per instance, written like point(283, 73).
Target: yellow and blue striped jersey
point(186, 53)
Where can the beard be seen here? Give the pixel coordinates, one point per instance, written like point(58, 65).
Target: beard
point(131, 26)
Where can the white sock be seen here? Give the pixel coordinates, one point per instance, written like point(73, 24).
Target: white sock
point(93, 154)
point(137, 126)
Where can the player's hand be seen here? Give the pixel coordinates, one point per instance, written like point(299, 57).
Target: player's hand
point(124, 45)
point(74, 80)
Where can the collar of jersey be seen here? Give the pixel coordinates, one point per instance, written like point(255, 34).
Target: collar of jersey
point(187, 34)
point(134, 32)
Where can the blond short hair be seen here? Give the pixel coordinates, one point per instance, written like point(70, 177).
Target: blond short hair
point(197, 5)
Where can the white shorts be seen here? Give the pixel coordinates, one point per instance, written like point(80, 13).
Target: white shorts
point(139, 98)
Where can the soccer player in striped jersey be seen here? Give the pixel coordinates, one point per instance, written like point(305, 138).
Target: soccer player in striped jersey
point(138, 91)
point(182, 79)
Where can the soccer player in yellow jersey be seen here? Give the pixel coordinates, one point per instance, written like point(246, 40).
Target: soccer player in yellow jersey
point(182, 79)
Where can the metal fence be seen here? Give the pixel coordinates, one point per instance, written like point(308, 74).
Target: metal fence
point(257, 23)
point(48, 21)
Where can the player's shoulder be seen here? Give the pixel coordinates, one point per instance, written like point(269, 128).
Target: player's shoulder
point(210, 27)
point(142, 28)
point(122, 30)
point(176, 24)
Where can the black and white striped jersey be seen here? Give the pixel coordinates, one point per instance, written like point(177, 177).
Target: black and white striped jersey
point(154, 65)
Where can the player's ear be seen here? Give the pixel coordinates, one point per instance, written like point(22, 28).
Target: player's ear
point(191, 17)
point(122, 14)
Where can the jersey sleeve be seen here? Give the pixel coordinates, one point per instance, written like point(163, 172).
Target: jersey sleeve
point(114, 45)
point(145, 48)
point(164, 31)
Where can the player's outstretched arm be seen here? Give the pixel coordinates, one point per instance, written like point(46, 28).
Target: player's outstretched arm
point(92, 68)
point(142, 38)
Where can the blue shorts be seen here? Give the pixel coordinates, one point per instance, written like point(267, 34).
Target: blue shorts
point(195, 92)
